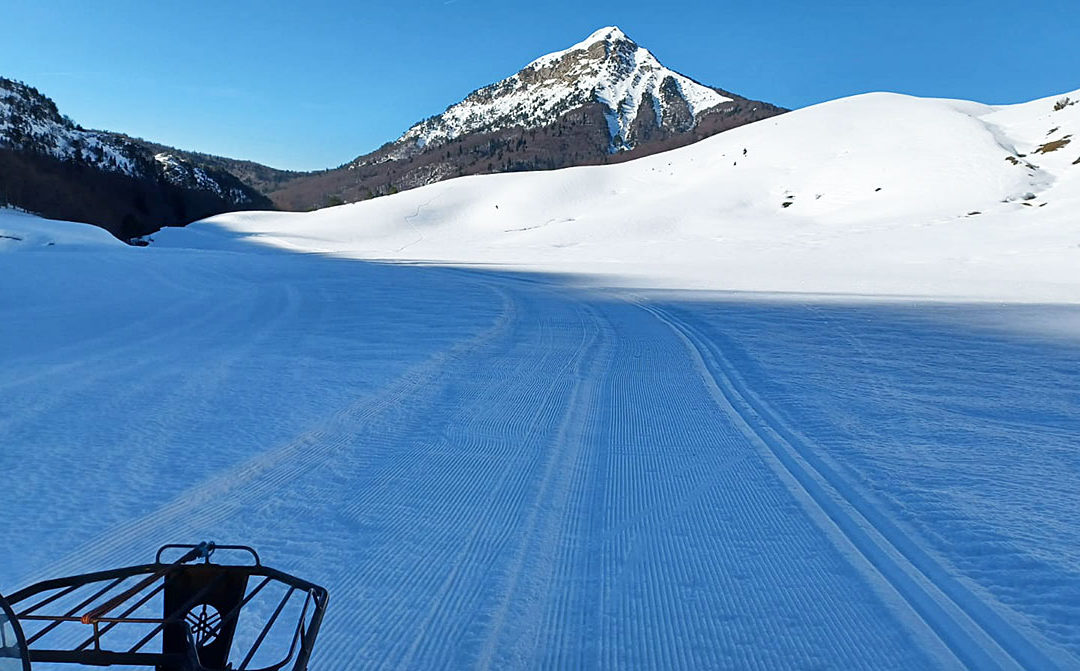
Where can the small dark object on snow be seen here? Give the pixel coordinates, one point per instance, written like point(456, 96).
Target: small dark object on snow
point(177, 616)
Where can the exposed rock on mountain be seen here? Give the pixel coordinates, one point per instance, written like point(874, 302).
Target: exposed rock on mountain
point(603, 100)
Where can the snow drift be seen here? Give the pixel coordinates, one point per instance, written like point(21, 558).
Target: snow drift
point(20, 231)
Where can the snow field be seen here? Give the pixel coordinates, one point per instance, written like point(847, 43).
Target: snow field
point(953, 425)
point(878, 194)
point(498, 471)
point(20, 231)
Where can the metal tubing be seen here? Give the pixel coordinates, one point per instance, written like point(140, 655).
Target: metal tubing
point(71, 612)
point(123, 617)
point(266, 629)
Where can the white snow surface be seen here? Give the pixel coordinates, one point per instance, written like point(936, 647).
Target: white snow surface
point(21, 231)
point(874, 194)
point(606, 67)
point(492, 467)
point(500, 470)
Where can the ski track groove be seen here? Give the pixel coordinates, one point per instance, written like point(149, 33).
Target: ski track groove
point(497, 527)
point(976, 634)
point(556, 489)
point(568, 446)
point(267, 471)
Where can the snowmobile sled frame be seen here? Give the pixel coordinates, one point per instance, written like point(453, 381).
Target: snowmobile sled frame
point(184, 615)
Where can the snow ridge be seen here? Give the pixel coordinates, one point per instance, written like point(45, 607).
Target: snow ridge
point(607, 67)
point(874, 194)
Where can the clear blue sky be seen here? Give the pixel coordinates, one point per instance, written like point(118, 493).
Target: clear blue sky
point(309, 85)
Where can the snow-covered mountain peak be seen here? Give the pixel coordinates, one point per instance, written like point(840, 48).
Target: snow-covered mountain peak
point(609, 36)
point(606, 68)
point(607, 45)
point(611, 33)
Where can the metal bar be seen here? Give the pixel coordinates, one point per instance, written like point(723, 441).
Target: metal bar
point(171, 617)
point(80, 580)
point(96, 613)
point(211, 548)
point(123, 617)
point(266, 629)
point(71, 612)
point(236, 610)
point(146, 660)
point(48, 600)
point(321, 598)
point(298, 635)
point(282, 577)
point(75, 618)
point(243, 548)
point(204, 550)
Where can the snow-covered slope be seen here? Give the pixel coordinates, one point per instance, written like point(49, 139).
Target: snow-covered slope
point(20, 231)
point(878, 193)
point(607, 67)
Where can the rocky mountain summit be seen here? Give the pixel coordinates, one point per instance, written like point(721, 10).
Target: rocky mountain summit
point(603, 100)
point(608, 68)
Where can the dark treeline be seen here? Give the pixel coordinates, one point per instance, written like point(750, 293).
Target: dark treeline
point(125, 206)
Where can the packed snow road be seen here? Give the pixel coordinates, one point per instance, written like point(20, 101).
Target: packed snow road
point(502, 471)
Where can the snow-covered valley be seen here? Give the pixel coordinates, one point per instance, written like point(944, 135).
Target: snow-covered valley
point(637, 416)
point(502, 470)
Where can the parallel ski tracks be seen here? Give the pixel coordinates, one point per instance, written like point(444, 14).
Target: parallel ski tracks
point(970, 629)
point(518, 484)
point(512, 486)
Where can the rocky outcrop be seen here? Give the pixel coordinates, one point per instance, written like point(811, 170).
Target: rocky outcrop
point(604, 100)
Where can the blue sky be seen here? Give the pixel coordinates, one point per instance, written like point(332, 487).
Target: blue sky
point(309, 85)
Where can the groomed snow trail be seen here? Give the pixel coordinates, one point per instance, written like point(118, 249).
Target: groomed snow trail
point(978, 636)
point(496, 471)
